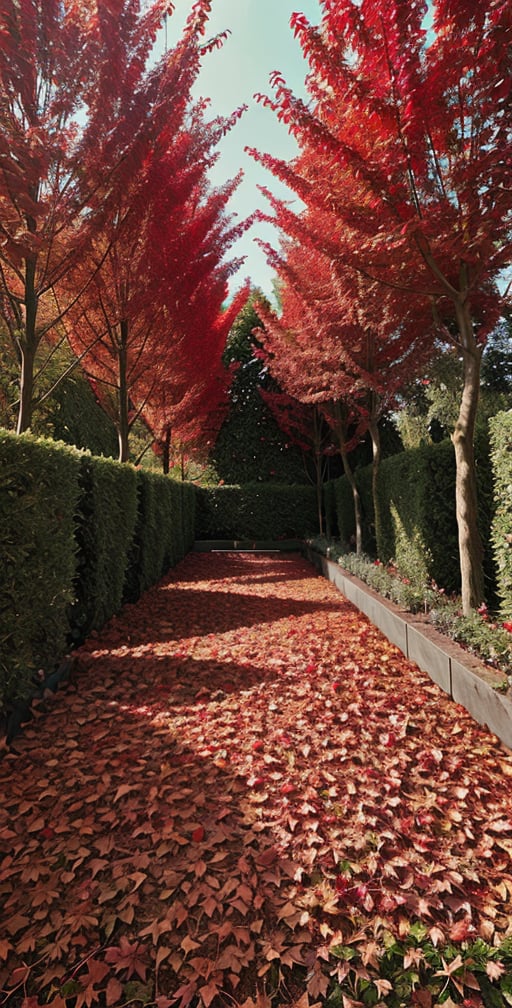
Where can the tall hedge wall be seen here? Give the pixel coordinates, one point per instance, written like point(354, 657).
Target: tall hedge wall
point(501, 532)
point(106, 518)
point(79, 535)
point(164, 530)
point(39, 493)
point(263, 511)
point(418, 523)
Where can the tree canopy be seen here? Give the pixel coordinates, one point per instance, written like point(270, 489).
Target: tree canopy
point(403, 167)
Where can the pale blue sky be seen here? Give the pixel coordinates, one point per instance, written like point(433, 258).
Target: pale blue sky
point(260, 41)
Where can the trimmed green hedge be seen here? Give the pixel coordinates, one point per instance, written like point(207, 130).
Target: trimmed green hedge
point(418, 522)
point(79, 535)
point(257, 511)
point(188, 493)
point(105, 525)
point(164, 530)
point(39, 493)
point(419, 528)
point(501, 531)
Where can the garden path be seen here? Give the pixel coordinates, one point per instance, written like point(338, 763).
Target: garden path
point(244, 797)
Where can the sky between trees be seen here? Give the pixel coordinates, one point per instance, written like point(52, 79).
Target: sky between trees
point(261, 41)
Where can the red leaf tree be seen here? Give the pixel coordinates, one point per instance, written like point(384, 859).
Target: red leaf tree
point(340, 351)
point(410, 127)
point(189, 401)
point(67, 135)
point(149, 320)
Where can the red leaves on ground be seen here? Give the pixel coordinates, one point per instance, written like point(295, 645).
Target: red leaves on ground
point(247, 777)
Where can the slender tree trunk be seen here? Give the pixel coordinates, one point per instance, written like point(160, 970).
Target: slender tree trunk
point(318, 466)
point(26, 389)
point(28, 348)
point(317, 452)
point(123, 430)
point(166, 450)
point(339, 427)
point(374, 432)
point(355, 496)
point(466, 504)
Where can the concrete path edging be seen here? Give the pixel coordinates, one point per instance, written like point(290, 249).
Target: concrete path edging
point(464, 677)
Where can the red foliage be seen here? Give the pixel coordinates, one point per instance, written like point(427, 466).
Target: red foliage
point(404, 170)
point(243, 776)
point(151, 309)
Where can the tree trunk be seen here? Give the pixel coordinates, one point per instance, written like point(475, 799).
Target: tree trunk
point(318, 457)
point(355, 497)
point(28, 348)
point(123, 429)
point(374, 432)
point(166, 451)
point(339, 426)
point(26, 389)
point(319, 486)
point(466, 506)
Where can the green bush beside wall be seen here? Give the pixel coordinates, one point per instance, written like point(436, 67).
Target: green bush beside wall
point(79, 535)
point(501, 531)
point(39, 492)
point(418, 524)
point(105, 526)
point(257, 511)
point(189, 500)
point(150, 548)
point(163, 533)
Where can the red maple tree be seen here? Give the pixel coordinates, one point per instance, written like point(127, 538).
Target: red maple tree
point(65, 137)
point(337, 345)
point(151, 318)
point(80, 98)
point(188, 401)
point(409, 127)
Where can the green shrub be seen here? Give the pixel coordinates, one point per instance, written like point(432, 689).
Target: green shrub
point(418, 522)
point(345, 513)
point(256, 511)
point(105, 526)
point(331, 518)
point(188, 522)
point(78, 536)
point(39, 490)
point(151, 548)
point(501, 530)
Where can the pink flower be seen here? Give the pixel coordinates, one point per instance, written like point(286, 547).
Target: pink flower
point(507, 625)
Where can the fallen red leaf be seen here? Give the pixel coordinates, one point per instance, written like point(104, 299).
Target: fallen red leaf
point(200, 719)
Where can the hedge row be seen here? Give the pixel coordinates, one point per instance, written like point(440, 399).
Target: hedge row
point(418, 524)
point(78, 537)
point(256, 511)
point(501, 531)
point(39, 495)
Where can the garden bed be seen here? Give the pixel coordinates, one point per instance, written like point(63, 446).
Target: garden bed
point(469, 682)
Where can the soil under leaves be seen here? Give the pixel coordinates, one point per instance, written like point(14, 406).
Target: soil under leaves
point(242, 776)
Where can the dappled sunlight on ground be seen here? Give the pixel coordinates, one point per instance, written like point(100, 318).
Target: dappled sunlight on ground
point(244, 777)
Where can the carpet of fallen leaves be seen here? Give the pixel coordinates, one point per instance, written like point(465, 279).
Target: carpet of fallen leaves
point(242, 775)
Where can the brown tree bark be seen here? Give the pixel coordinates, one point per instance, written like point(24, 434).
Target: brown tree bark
point(374, 432)
point(27, 344)
point(123, 429)
point(470, 543)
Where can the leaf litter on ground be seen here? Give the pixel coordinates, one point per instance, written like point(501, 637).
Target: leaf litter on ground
point(243, 778)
